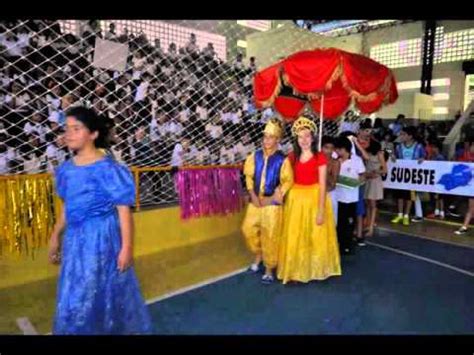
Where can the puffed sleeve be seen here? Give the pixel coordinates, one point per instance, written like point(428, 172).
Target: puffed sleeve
point(60, 180)
point(249, 171)
point(117, 180)
point(286, 176)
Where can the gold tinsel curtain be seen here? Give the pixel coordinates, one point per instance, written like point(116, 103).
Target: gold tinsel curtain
point(28, 206)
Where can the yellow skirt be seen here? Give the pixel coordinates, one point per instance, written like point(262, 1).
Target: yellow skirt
point(307, 251)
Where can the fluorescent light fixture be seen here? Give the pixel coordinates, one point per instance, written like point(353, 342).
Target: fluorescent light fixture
point(416, 84)
point(441, 97)
point(241, 43)
point(440, 110)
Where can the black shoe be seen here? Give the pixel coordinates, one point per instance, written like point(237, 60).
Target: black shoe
point(361, 242)
point(417, 219)
point(454, 214)
point(267, 279)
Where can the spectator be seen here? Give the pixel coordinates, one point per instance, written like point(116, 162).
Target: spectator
point(467, 132)
point(191, 46)
point(468, 156)
point(408, 149)
point(4, 159)
point(141, 150)
point(351, 166)
point(33, 157)
point(209, 52)
point(36, 124)
point(124, 37)
point(56, 152)
point(110, 35)
point(378, 130)
point(142, 89)
point(214, 129)
point(376, 168)
point(387, 144)
point(175, 128)
point(158, 52)
point(436, 154)
point(253, 66)
point(201, 153)
point(396, 127)
point(349, 124)
point(181, 152)
point(227, 152)
point(17, 99)
point(243, 148)
point(53, 97)
point(333, 168)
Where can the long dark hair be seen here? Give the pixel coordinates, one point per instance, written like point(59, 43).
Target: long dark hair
point(94, 123)
point(297, 149)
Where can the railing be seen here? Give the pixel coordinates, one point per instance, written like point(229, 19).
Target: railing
point(29, 205)
point(449, 143)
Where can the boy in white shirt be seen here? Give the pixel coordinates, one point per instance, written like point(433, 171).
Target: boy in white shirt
point(353, 167)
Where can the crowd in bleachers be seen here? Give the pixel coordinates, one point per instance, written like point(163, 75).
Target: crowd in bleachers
point(162, 98)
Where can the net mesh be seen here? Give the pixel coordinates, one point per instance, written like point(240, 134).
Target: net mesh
point(164, 85)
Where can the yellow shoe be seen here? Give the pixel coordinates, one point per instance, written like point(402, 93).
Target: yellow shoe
point(406, 221)
point(397, 219)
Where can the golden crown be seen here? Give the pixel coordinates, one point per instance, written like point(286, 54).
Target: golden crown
point(274, 127)
point(303, 123)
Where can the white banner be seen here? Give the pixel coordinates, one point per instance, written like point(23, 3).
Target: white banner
point(110, 55)
point(442, 177)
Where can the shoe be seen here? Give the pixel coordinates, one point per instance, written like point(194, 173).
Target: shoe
point(406, 221)
point(442, 216)
point(267, 279)
point(361, 242)
point(454, 214)
point(432, 215)
point(461, 231)
point(397, 219)
point(417, 219)
point(253, 269)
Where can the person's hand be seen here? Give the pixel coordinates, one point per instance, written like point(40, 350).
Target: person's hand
point(394, 160)
point(320, 218)
point(421, 160)
point(125, 259)
point(278, 197)
point(255, 200)
point(54, 256)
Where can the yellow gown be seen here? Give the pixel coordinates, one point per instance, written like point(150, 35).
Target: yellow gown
point(262, 226)
point(307, 251)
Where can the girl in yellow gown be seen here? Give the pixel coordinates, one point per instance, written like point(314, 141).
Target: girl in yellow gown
point(308, 248)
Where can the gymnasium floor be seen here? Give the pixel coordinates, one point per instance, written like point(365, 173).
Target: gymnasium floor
point(397, 284)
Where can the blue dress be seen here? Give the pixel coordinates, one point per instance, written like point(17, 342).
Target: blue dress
point(93, 297)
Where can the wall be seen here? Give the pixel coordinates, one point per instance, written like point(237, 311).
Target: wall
point(155, 231)
point(270, 46)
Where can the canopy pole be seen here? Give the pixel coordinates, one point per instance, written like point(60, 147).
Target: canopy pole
point(321, 114)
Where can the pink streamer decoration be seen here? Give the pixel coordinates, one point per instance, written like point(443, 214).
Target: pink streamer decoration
point(209, 192)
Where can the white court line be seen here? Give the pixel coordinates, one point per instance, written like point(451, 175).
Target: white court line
point(425, 237)
point(419, 257)
point(26, 327)
point(195, 286)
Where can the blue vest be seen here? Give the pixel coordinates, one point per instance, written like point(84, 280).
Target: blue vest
point(272, 176)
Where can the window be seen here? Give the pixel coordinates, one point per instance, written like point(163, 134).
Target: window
point(449, 47)
point(260, 25)
point(169, 33)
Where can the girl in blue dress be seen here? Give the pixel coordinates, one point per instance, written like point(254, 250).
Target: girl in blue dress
point(98, 291)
